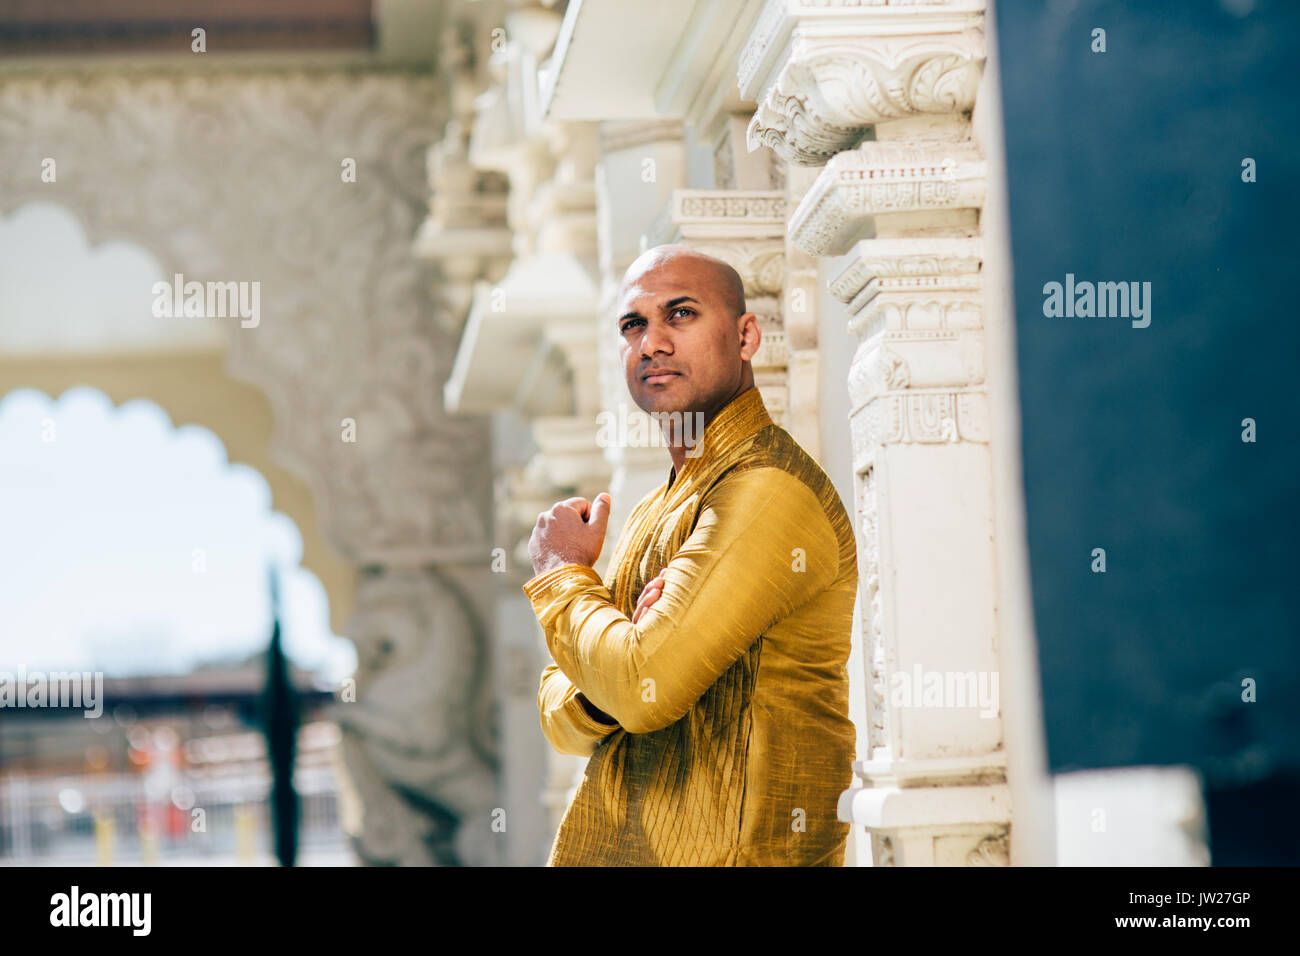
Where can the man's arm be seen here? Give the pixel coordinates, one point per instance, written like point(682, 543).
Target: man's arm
point(566, 723)
point(762, 546)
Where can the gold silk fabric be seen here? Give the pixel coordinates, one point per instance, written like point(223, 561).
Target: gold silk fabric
point(733, 740)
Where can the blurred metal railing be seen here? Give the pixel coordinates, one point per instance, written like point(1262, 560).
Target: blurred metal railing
point(122, 818)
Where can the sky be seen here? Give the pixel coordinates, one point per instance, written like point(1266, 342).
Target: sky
point(130, 546)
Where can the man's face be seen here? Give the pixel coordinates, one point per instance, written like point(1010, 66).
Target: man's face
point(673, 319)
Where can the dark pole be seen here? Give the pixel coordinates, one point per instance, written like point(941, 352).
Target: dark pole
point(280, 724)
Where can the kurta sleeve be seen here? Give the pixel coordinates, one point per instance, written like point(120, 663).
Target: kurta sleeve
point(565, 722)
point(761, 547)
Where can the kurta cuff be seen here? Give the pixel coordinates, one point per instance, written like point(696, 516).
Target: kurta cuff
point(585, 720)
point(543, 588)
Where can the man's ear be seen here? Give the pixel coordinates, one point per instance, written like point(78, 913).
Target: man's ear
point(751, 336)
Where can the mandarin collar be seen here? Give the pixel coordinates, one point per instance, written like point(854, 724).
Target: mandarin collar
point(739, 418)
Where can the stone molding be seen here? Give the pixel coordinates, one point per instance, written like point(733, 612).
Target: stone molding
point(880, 179)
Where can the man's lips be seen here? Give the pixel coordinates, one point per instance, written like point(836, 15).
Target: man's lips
point(659, 376)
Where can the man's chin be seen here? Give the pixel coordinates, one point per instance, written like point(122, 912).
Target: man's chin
point(660, 404)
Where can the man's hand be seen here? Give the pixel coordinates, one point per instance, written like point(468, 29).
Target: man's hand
point(649, 594)
point(571, 532)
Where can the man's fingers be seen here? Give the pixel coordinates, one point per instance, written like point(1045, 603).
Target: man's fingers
point(641, 608)
point(579, 505)
point(649, 594)
point(648, 597)
point(600, 513)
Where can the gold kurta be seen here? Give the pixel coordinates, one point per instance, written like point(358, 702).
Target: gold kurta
point(733, 740)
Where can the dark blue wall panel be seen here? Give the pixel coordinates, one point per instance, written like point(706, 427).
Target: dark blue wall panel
point(1127, 166)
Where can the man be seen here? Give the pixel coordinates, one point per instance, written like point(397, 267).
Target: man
point(706, 679)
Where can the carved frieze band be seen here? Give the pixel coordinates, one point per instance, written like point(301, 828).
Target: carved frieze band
point(885, 178)
point(912, 285)
point(719, 214)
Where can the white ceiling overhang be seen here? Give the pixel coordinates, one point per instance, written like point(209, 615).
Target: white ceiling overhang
point(507, 358)
point(677, 64)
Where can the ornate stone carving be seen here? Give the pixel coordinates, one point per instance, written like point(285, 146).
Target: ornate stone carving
point(428, 730)
point(828, 102)
point(824, 74)
point(925, 418)
point(703, 205)
point(919, 318)
point(885, 178)
point(692, 215)
point(992, 851)
point(466, 232)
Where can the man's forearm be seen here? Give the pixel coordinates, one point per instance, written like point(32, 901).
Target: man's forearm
point(647, 675)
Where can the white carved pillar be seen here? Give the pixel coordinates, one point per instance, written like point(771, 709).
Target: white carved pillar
point(881, 95)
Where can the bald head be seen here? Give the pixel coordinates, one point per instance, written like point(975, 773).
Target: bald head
point(724, 280)
point(685, 339)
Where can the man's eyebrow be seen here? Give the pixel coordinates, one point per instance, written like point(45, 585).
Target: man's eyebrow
point(670, 304)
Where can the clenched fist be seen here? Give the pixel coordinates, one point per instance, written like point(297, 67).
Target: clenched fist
point(570, 532)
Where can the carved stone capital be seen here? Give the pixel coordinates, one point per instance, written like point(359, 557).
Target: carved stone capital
point(824, 73)
point(918, 313)
point(911, 285)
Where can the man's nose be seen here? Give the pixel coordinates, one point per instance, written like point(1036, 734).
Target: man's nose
point(656, 339)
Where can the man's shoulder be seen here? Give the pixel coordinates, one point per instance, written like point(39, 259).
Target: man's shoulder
point(772, 448)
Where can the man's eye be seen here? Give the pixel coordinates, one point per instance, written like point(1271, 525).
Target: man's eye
point(682, 308)
point(629, 325)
